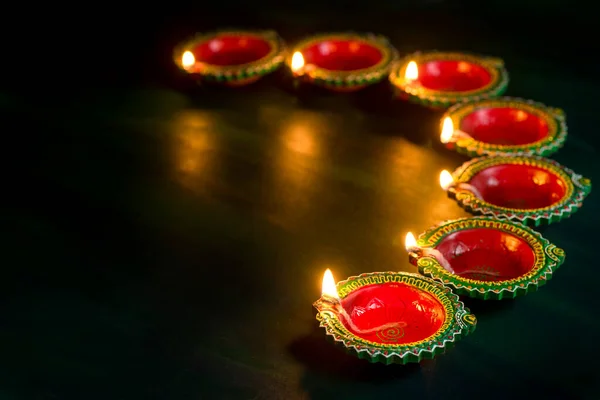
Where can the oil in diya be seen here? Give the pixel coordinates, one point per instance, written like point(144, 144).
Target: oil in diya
point(530, 190)
point(392, 317)
point(230, 57)
point(441, 79)
point(485, 258)
point(342, 62)
point(503, 126)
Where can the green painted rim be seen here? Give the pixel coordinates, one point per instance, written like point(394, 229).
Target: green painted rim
point(240, 72)
point(577, 189)
point(354, 78)
point(548, 258)
point(459, 321)
point(554, 117)
point(443, 99)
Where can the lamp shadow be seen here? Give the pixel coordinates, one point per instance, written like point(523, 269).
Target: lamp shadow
point(321, 357)
point(397, 117)
point(198, 88)
point(487, 307)
point(309, 95)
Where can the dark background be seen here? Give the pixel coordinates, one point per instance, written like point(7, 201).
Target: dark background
point(130, 273)
point(114, 43)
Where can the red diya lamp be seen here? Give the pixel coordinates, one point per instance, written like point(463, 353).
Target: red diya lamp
point(342, 62)
point(503, 127)
point(233, 58)
point(531, 190)
point(392, 317)
point(438, 80)
point(485, 258)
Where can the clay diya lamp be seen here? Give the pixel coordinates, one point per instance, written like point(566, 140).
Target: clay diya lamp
point(504, 126)
point(342, 62)
point(233, 58)
point(530, 190)
point(439, 80)
point(392, 317)
point(485, 258)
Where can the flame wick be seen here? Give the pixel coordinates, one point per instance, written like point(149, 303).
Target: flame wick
point(412, 72)
point(328, 287)
point(447, 182)
point(297, 63)
point(469, 188)
point(188, 60)
point(410, 243)
point(449, 134)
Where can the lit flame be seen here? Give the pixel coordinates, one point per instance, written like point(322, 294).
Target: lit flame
point(410, 242)
point(297, 61)
point(447, 130)
point(329, 288)
point(412, 71)
point(446, 179)
point(188, 60)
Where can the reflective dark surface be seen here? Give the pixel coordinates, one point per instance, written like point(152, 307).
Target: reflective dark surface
point(167, 242)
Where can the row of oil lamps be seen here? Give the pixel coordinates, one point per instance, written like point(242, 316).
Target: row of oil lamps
point(342, 62)
point(398, 317)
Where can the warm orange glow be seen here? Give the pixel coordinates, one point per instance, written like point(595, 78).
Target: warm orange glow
point(410, 242)
point(412, 71)
point(447, 130)
point(329, 288)
point(297, 61)
point(446, 179)
point(464, 67)
point(188, 60)
point(541, 178)
point(300, 139)
point(194, 145)
point(521, 116)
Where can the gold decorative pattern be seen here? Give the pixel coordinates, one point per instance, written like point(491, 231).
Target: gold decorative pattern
point(457, 322)
point(438, 98)
point(576, 189)
point(553, 117)
point(352, 77)
point(259, 67)
point(547, 258)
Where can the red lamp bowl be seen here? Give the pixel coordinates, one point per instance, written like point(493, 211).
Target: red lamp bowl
point(530, 190)
point(343, 62)
point(506, 126)
point(233, 58)
point(429, 318)
point(491, 259)
point(444, 78)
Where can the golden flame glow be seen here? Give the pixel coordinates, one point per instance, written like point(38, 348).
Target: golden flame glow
point(194, 146)
point(447, 130)
point(329, 288)
point(541, 178)
point(521, 116)
point(446, 179)
point(464, 67)
point(300, 138)
point(412, 71)
point(188, 60)
point(297, 61)
point(410, 242)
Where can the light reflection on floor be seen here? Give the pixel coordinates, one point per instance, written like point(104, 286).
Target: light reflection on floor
point(195, 145)
point(296, 168)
